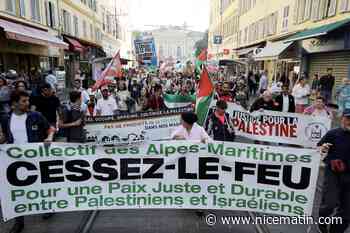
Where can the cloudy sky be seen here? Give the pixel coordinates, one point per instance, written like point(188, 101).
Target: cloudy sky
point(169, 12)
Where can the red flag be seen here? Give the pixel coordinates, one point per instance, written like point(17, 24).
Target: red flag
point(203, 55)
point(205, 87)
point(114, 69)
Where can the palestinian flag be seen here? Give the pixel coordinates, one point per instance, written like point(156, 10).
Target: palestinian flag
point(205, 95)
point(201, 58)
point(114, 69)
point(178, 101)
point(203, 55)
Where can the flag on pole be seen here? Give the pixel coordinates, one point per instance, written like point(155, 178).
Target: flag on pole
point(114, 69)
point(203, 55)
point(201, 58)
point(178, 101)
point(204, 96)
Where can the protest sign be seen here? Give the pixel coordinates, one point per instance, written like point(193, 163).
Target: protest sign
point(279, 127)
point(133, 128)
point(38, 179)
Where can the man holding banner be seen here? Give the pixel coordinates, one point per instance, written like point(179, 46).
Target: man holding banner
point(336, 187)
point(190, 130)
point(23, 126)
point(219, 125)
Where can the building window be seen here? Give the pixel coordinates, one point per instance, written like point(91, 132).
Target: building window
point(179, 52)
point(344, 6)
point(331, 8)
point(91, 32)
point(90, 3)
point(94, 5)
point(98, 35)
point(245, 5)
point(285, 18)
point(35, 10)
point(11, 6)
point(76, 26)
point(84, 29)
point(109, 24)
point(22, 8)
point(67, 22)
point(103, 20)
point(50, 14)
point(161, 51)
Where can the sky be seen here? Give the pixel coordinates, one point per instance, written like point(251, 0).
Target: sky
point(169, 12)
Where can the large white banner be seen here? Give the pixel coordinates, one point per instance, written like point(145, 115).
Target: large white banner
point(279, 127)
point(38, 179)
point(134, 128)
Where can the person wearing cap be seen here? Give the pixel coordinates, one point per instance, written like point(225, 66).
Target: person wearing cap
point(265, 102)
point(190, 130)
point(335, 147)
point(285, 101)
point(219, 125)
point(107, 105)
point(301, 93)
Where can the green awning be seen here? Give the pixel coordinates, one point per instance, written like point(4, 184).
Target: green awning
point(319, 31)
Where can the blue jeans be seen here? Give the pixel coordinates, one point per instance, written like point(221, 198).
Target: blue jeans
point(327, 95)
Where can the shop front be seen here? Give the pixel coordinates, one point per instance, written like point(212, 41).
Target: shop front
point(24, 49)
point(281, 60)
point(326, 47)
point(246, 55)
point(78, 59)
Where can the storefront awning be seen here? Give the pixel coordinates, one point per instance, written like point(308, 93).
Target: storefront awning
point(75, 45)
point(272, 51)
point(319, 31)
point(249, 50)
point(19, 32)
point(228, 62)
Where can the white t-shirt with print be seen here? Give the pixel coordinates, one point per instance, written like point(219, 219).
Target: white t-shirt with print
point(197, 133)
point(106, 107)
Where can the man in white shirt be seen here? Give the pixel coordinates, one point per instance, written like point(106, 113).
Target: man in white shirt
point(264, 83)
point(107, 105)
point(190, 130)
point(23, 126)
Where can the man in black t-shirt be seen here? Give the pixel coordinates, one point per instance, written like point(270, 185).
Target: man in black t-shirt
point(326, 86)
point(336, 192)
point(46, 103)
point(72, 119)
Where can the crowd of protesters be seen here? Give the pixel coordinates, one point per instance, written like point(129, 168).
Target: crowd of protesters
point(30, 110)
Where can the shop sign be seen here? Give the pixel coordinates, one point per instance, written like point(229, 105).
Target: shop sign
point(217, 39)
point(317, 45)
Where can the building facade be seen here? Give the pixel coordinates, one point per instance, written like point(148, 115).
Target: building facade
point(175, 43)
point(28, 39)
point(70, 34)
point(284, 37)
